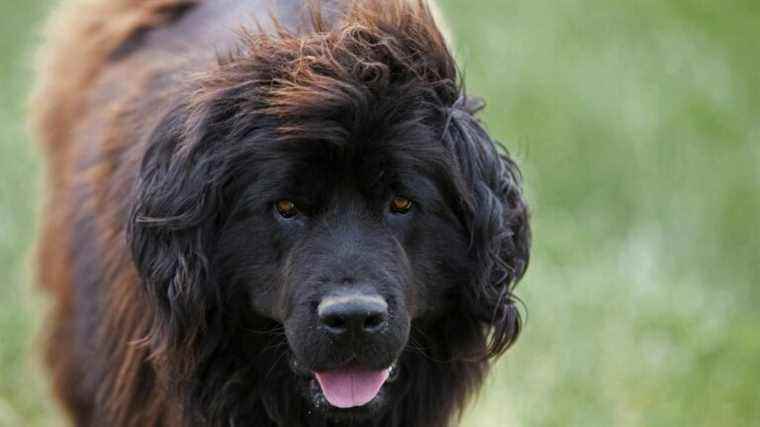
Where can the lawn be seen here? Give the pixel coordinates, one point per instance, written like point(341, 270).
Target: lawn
point(637, 125)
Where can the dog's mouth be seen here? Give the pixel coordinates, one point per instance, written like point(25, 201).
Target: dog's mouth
point(349, 387)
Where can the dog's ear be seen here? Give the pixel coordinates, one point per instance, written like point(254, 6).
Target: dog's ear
point(171, 228)
point(496, 215)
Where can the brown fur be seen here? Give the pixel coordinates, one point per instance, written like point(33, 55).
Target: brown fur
point(81, 36)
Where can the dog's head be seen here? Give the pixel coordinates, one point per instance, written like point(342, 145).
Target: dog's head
point(330, 199)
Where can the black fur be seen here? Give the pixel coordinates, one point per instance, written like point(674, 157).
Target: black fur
point(236, 285)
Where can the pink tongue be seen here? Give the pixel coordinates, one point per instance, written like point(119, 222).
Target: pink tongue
point(350, 387)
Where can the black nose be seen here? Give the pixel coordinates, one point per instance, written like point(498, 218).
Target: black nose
point(354, 313)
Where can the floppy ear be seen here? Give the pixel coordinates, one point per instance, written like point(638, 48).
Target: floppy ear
point(497, 218)
point(171, 228)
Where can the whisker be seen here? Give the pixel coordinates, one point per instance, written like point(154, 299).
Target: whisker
point(278, 330)
point(274, 365)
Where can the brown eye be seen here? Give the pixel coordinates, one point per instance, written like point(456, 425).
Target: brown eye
point(401, 205)
point(286, 208)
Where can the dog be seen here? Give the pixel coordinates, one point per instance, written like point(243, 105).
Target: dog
point(270, 214)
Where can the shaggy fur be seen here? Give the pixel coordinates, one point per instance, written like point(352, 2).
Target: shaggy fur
point(162, 152)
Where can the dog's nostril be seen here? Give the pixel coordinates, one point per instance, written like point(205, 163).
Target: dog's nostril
point(359, 314)
point(373, 322)
point(335, 323)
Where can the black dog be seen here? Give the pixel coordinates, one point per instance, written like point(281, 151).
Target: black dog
point(321, 231)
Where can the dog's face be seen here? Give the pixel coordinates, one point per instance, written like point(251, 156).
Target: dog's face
point(346, 246)
point(352, 204)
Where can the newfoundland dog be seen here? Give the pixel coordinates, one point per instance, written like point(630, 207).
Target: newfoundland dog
point(270, 213)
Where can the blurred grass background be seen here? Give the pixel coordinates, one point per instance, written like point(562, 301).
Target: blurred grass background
point(637, 125)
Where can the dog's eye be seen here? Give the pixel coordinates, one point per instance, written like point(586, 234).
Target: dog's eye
point(401, 205)
point(286, 208)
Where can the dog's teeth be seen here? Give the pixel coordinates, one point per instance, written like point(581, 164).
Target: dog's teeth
point(393, 375)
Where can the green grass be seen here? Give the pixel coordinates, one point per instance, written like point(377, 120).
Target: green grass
point(637, 127)
point(24, 400)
